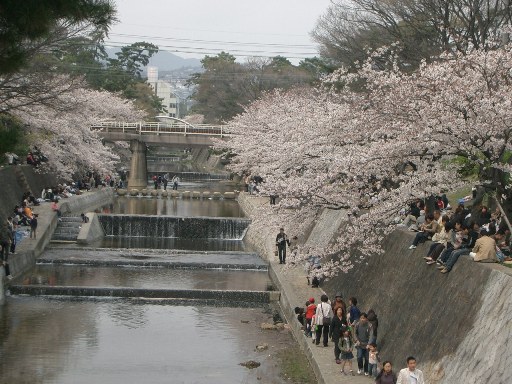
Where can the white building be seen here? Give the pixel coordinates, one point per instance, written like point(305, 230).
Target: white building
point(165, 92)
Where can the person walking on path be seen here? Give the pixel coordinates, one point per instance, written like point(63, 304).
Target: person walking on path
point(346, 346)
point(323, 320)
point(373, 359)
point(33, 227)
point(362, 337)
point(310, 313)
point(410, 375)
point(338, 325)
point(386, 375)
point(339, 303)
point(281, 242)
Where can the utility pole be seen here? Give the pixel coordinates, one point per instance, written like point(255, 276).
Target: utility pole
point(505, 36)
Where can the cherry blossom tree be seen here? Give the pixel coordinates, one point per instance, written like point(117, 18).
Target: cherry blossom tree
point(62, 130)
point(372, 150)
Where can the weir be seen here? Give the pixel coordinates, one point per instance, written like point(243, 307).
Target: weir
point(174, 227)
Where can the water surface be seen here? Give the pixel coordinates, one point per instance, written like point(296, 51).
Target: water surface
point(117, 342)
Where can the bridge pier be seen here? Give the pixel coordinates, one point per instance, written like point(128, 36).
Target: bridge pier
point(138, 169)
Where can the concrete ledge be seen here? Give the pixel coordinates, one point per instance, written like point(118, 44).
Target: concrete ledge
point(90, 231)
point(87, 201)
point(248, 296)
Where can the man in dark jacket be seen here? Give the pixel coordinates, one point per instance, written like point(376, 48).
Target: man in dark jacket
point(281, 242)
point(362, 338)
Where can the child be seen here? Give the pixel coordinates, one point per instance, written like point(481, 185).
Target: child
point(310, 313)
point(313, 327)
point(373, 359)
point(33, 226)
point(346, 346)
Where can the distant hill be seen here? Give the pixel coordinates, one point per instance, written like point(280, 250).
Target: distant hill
point(165, 61)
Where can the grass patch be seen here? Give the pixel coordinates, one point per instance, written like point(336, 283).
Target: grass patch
point(295, 366)
point(454, 196)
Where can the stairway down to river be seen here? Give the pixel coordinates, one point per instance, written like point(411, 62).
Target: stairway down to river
point(67, 229)
point(218, 278)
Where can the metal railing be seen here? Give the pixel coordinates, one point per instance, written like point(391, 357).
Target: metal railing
point(158, 128)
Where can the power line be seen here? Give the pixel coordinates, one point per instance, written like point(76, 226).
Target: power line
point(216, 41)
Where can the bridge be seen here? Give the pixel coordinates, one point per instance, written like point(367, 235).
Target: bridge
point(175, 133)
point(171, 132)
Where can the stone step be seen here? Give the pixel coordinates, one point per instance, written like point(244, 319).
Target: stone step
point(69, 224)
point(64, 230)
point(64, 237)
point(72, 219)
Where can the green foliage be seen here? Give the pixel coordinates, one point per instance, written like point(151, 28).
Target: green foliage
point(226, 86)
point(12, 135)
point(86, 56)
point(24, 24)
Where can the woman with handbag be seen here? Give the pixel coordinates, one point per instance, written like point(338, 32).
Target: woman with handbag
point(323, 320)
point(338, 325)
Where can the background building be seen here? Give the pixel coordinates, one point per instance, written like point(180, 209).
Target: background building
point(165, 92)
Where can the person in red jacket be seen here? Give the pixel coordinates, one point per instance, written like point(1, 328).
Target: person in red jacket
point(310, 312)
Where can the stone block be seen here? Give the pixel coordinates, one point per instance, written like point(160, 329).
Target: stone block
point(165, 194)
point(185, 195)
point(217, 195)
point(206, 194)
point(229, 195)
point(134, 192)
point(174, 194)
point(122, 192)
point(144, 192)
point(155, 192)
point(196, 195)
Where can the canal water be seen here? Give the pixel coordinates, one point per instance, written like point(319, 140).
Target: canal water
point(145, 306)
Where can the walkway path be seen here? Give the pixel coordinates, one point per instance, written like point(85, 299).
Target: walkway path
point(295, 291)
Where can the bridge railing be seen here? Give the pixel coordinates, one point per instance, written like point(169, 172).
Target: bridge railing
point(158, 128)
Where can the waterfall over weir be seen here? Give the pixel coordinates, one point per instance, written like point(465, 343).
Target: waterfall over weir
point(174, 227)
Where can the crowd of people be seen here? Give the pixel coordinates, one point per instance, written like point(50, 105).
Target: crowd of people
point(161, 181)
point(23, 221)
point(353, 334)
point(452, 233)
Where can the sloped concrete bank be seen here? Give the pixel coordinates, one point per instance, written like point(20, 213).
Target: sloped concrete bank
point(458, 325)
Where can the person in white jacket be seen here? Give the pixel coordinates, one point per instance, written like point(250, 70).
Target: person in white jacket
point(323, 317)
point(410, 375)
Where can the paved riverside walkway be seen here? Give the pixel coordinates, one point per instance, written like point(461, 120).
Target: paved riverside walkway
point(292, 283)
point(29, 249)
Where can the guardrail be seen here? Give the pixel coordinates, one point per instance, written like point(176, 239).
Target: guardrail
point(157, 128)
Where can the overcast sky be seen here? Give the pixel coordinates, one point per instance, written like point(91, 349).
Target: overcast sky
point(194, 28)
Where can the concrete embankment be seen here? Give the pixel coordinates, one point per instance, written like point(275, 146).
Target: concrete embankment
point(18, 179)
point(457, 325)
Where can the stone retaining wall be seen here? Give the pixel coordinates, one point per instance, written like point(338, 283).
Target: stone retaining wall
point(458, 325)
